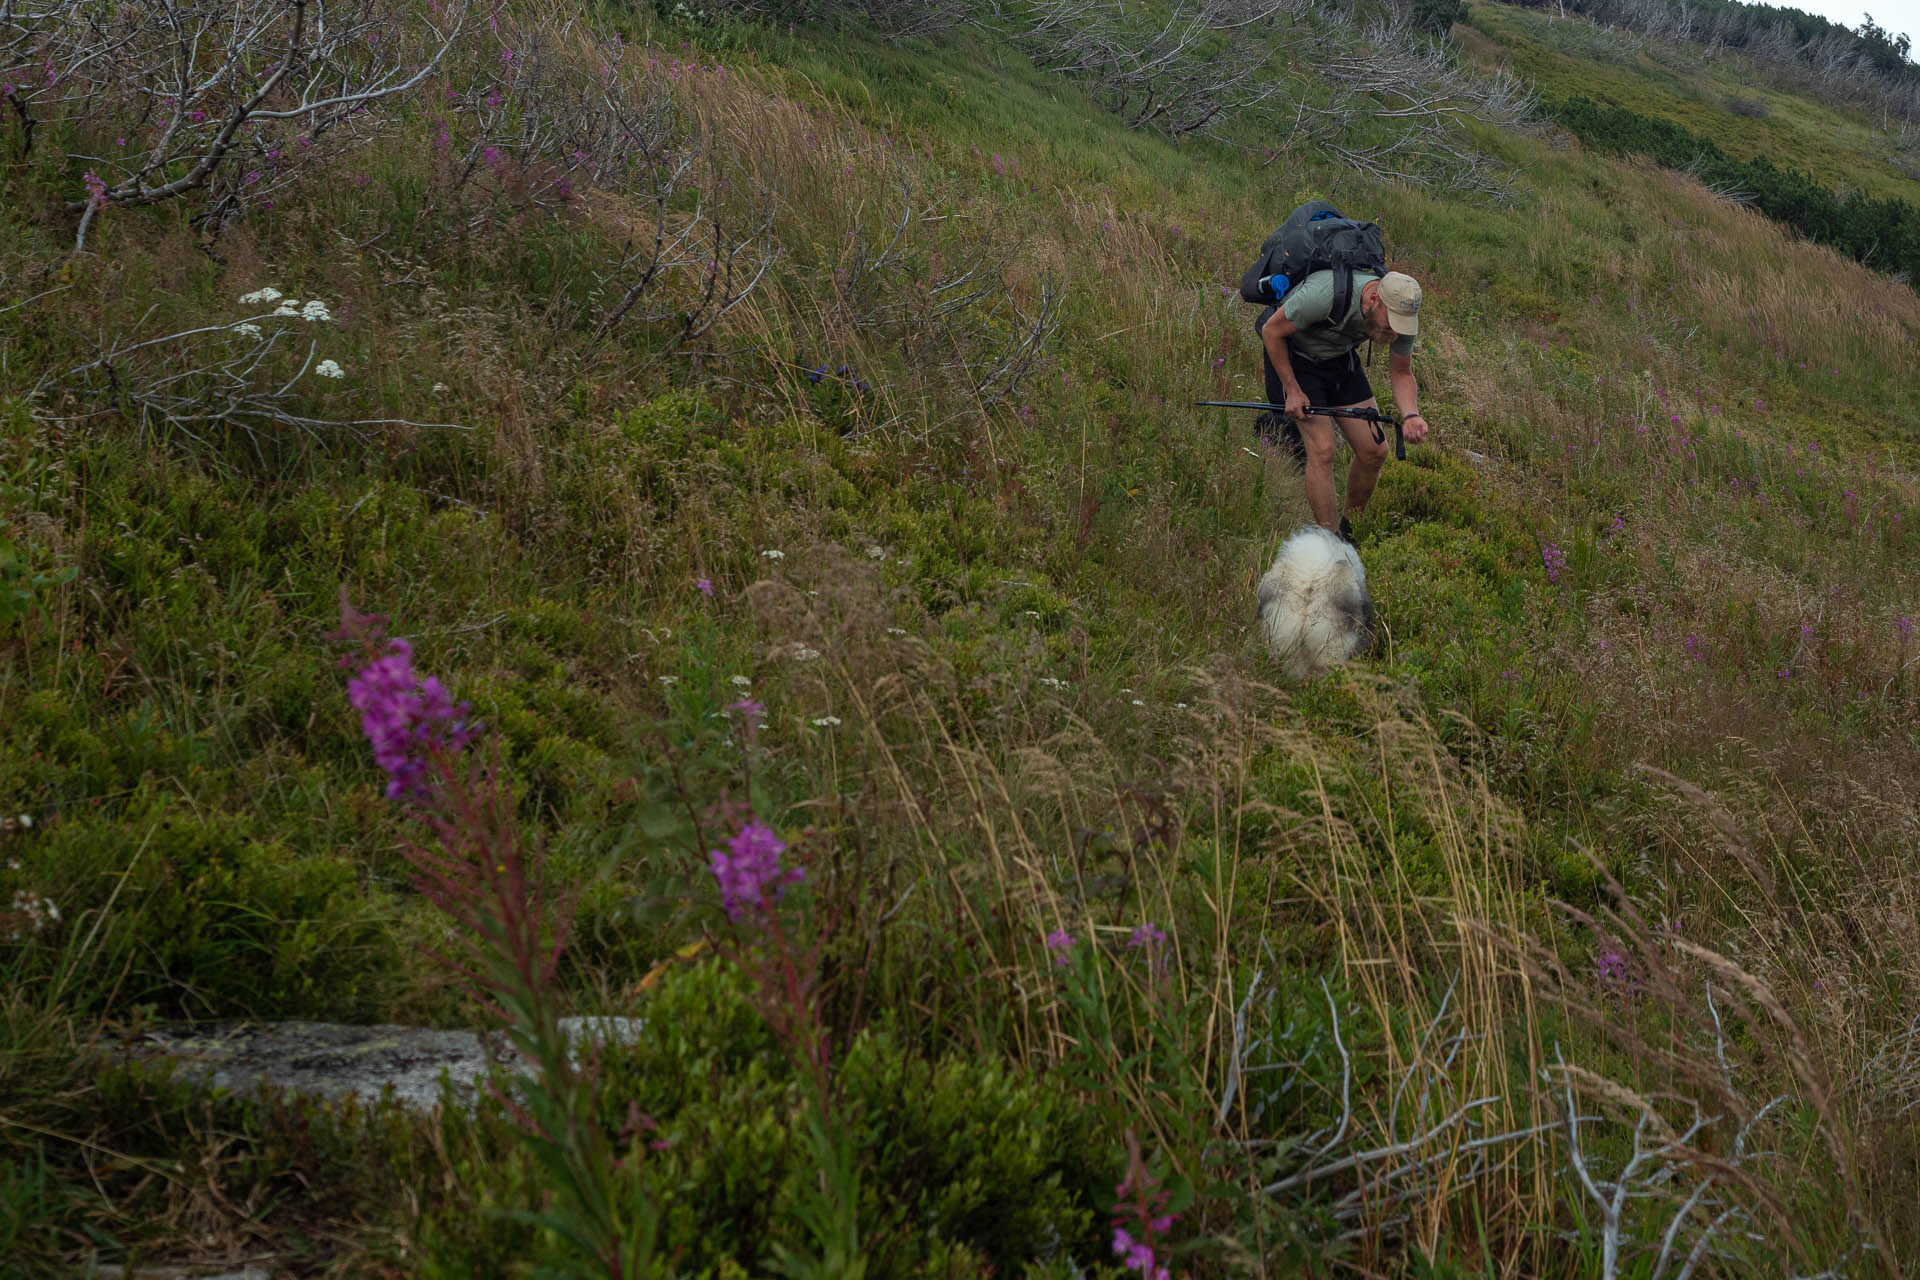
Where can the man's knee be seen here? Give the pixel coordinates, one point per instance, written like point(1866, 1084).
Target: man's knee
point(1370, 453)
point(1321, 447)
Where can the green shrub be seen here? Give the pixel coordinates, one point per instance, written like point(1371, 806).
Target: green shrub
point(965, 1167)
point(1883, 233)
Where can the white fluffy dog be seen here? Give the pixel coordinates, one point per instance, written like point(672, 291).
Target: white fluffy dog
point(1314, 607)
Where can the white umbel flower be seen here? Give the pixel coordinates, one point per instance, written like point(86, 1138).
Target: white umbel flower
point(315, 311)
point(801, 653)
point(246, 330)
point(328, 369)
point(268, 294)
point(742, 682)
point(826, 722)
point(773, 555)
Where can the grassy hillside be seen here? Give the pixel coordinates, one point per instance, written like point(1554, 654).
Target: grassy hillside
point(762, 422)
point(1729, 98)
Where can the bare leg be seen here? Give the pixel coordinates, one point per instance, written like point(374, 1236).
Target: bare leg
point(1317, 434)
point(1322, 442)
point(1368, 457)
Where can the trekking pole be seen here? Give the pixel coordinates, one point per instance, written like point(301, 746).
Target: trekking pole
point(1373, 416)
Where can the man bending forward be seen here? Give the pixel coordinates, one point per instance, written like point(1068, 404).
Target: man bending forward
point(1311, 360)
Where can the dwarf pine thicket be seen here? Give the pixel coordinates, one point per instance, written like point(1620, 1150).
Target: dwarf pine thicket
point(804, 613)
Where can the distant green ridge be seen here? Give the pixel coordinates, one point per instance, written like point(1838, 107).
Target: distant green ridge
point(1881, 232)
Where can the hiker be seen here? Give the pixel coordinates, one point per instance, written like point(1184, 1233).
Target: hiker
point(1311, 357)
point(1324, 281)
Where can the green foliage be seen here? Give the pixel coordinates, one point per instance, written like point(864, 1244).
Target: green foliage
point(206, 914)
point(1883, 233)
point(1438, 16)
point(1739, 24)
point(963, 1168)
point(1050, 578)
point(25, 580)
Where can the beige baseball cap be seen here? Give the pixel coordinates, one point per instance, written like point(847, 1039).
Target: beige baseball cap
point(1401, 293)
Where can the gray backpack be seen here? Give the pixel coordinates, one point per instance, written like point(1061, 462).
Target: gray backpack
point(1315, 237)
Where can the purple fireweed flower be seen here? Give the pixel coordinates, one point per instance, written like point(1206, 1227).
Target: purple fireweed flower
point(1137, 1255)
point(704, 586)
point(1148, 934)
point(1060, 942)
point(1905, 628)
point(1554, 559)
point(1612, 967)
point(96, 189)
point(749, 710)
point(406, 719)
point(749, 870)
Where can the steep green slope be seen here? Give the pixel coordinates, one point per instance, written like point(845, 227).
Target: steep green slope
point(1725, 98)
point(932, 494)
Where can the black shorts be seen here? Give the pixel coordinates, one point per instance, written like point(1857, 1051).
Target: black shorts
point(1340, 382)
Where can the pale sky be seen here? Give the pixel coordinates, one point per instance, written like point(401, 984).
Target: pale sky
point(1901, 17)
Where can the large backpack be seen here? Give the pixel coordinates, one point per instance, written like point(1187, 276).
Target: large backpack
point(1316, 237)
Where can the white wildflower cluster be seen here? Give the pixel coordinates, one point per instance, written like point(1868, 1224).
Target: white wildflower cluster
point(313, 311)
point(876, 553)
point(826, 722)
point(1053, 682)
point(896, 631)
point(773, 555)
point(742, 682)
point(801, 653)
point(33, 914)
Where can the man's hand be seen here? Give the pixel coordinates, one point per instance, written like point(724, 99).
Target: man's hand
point(1297, 403)
point(1414, 427)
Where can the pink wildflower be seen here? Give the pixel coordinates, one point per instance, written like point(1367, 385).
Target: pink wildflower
point(749, 871)
point(406, 719)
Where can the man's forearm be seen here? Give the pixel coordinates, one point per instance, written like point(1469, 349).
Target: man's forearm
point(1282, 361)
point(1406, 393)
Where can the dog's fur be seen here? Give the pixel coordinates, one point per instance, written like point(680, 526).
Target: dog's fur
point(1314, 607)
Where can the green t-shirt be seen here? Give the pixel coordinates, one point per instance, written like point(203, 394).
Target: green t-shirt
point(1310, 305)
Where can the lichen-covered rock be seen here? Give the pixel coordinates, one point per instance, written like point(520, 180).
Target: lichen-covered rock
point(336, 1062)
point(328, 1060)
